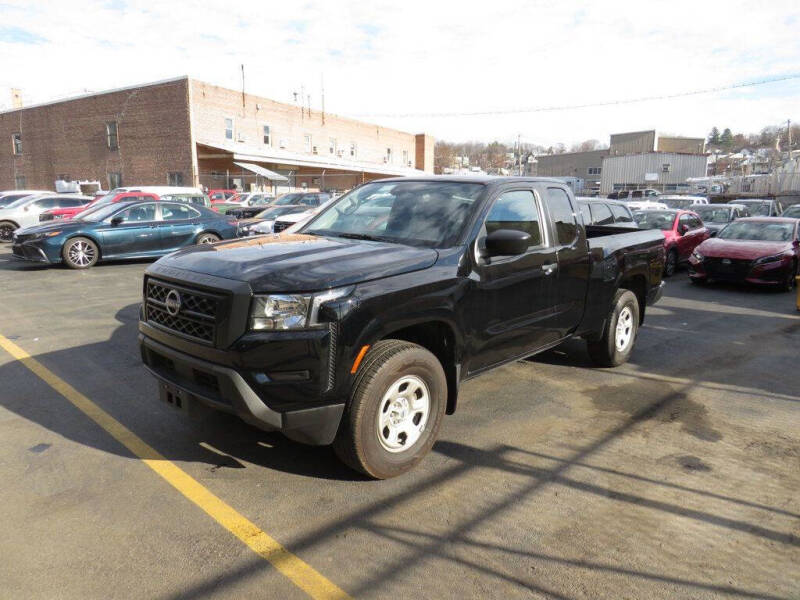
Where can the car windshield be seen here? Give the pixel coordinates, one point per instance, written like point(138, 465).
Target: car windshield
point(107, 198)
point(21, 201)
point(654, 219)
point(277, 211)
point(758, 208)
point(288, 199)
point(714, 214)
point(417, 213)
point(792, 212)
point(676, 202)
point(99, 213)
point(761, 231)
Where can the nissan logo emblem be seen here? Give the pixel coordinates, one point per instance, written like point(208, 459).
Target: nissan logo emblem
point(173, 302)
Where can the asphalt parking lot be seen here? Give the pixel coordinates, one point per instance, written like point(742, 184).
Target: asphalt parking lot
point(674, 476)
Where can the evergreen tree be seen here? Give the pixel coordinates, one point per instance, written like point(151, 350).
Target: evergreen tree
point(713, 137)
point(726, 139)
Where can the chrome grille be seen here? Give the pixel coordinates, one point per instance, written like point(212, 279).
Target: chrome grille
point(196, 315)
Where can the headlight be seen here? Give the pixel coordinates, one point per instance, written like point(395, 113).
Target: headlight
point(697, 255)
point(41, 236)
point(291, 311)
point(768, 259)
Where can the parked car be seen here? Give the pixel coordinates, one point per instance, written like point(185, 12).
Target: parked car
point(683, 231)
point(646, 205)
point(358, 329)
point(296, 218)
point(596, 211)
point(307, 199)
point(197, 198)
point(70, 212)
point(218, 196)
point(25, 211)
point(264, 221)
point(682, 202)
point(761, 207)
point(755, 250)
point(254, 199)
point(793, 212)
point(717, 216)
point(633, 194)
point(10, 196)
point(121, 230)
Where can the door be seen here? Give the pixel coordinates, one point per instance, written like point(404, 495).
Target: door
point(29, 215)
point(509, 308)
point(571, 279)
point(695, 233)
point(178, 226)
point(136, 233)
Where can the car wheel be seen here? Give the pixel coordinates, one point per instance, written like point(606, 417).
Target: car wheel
point(671, 263)
point(207, 238)
point(80, 253)
point(397, 403)
point(622, 326)
point(789, 284)
point(7, 229)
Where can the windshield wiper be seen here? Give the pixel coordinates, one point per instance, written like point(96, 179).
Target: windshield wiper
point(358, 236)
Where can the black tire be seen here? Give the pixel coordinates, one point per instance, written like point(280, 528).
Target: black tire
point(7, 229)
point(207, 238)
point(789, 284)
point(357, 442)
point(671, 263)
point(80, 253)
point(605, 352)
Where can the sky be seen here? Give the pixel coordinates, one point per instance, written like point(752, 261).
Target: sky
point(378, 60)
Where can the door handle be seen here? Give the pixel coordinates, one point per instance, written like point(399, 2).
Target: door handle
point(548, 269)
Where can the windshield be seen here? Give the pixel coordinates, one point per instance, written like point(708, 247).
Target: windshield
point(761, 231)
point(714, 214)
point(277, 211)
point(107, 198)
point(7, 201)
point(21, 201)
point(288, 199)
point(792, 212)
point(424, 213)
point(101, 212)
point(654, 219)
point(758, 208)
point(676, 202)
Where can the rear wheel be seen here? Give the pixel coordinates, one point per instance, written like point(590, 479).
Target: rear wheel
point(7, 230)
point(396, 407)
point(622, 326)
point(80, 253)
point(671, 263)
point(207, 238)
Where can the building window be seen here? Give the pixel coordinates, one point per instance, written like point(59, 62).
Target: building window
point(388, 157)
point(267, 138)
point(114, 180)
point(666, 168)
point(16, 141)
point(19, 182)
point(332, 146)
point(175, 178)
point(594, 170)
point(217, 175)
point(353, 150)
point(307, 143)
point(112, 141)
point(228, 128)
point(405, 158)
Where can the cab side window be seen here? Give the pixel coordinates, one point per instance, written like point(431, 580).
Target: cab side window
point(563, 216)
point(621, 214)
point(516, 210)
point(178, 212)
point(141, 213)
point(601, 215)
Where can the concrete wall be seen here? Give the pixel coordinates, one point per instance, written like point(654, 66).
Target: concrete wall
point(630, 170)
point(289, 125)
point(69, 138)
point(632, 142)
point(572, 164)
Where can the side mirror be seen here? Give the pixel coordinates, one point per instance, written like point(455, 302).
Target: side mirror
point(713, 233)
point(116, 221)
point(507, 242)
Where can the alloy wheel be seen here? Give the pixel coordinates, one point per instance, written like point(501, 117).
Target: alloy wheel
point(81, 253)
point(403, 414)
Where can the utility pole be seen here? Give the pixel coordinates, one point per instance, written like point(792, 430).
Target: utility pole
point(243, 90)
point(789, 136)
point(519, 153)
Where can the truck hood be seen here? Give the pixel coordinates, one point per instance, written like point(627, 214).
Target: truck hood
point(741, 249)
point(300, 263)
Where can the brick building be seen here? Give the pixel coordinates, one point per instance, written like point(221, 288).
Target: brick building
point(187, 132)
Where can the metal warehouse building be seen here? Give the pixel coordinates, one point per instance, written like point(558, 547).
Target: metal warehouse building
point(188, 132)
point(664, 171)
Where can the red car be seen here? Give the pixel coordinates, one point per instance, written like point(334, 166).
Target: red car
point(220, 196)
point(683, 231)
point(68, 213)
point(762, 250)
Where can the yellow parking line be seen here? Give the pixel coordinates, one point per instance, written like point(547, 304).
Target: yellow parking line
point(300, 573)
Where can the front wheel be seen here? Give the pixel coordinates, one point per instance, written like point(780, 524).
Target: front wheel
point(619, 334)
point(671, 263)
point(207, 238)
point(7, 231)
point(397, 403)
point(80, 253)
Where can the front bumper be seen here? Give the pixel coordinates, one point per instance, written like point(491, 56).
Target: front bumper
point(772, 273)
point(240, 392)
point(30, 252)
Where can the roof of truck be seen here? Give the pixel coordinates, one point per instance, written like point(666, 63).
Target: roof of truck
point(475, 179)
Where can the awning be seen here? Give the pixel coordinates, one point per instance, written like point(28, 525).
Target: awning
point(259, 170)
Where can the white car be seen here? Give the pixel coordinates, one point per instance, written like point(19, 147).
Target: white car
point(9, 196)
point(645, 205)
point(251, 199)
point(25, 211)
point(297, 220)
point(682, 202)
point(264, 221)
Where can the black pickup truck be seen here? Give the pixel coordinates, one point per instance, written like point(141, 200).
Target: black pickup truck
point(358, 328)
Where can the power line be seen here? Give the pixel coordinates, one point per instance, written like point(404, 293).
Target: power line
point(511, 111)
